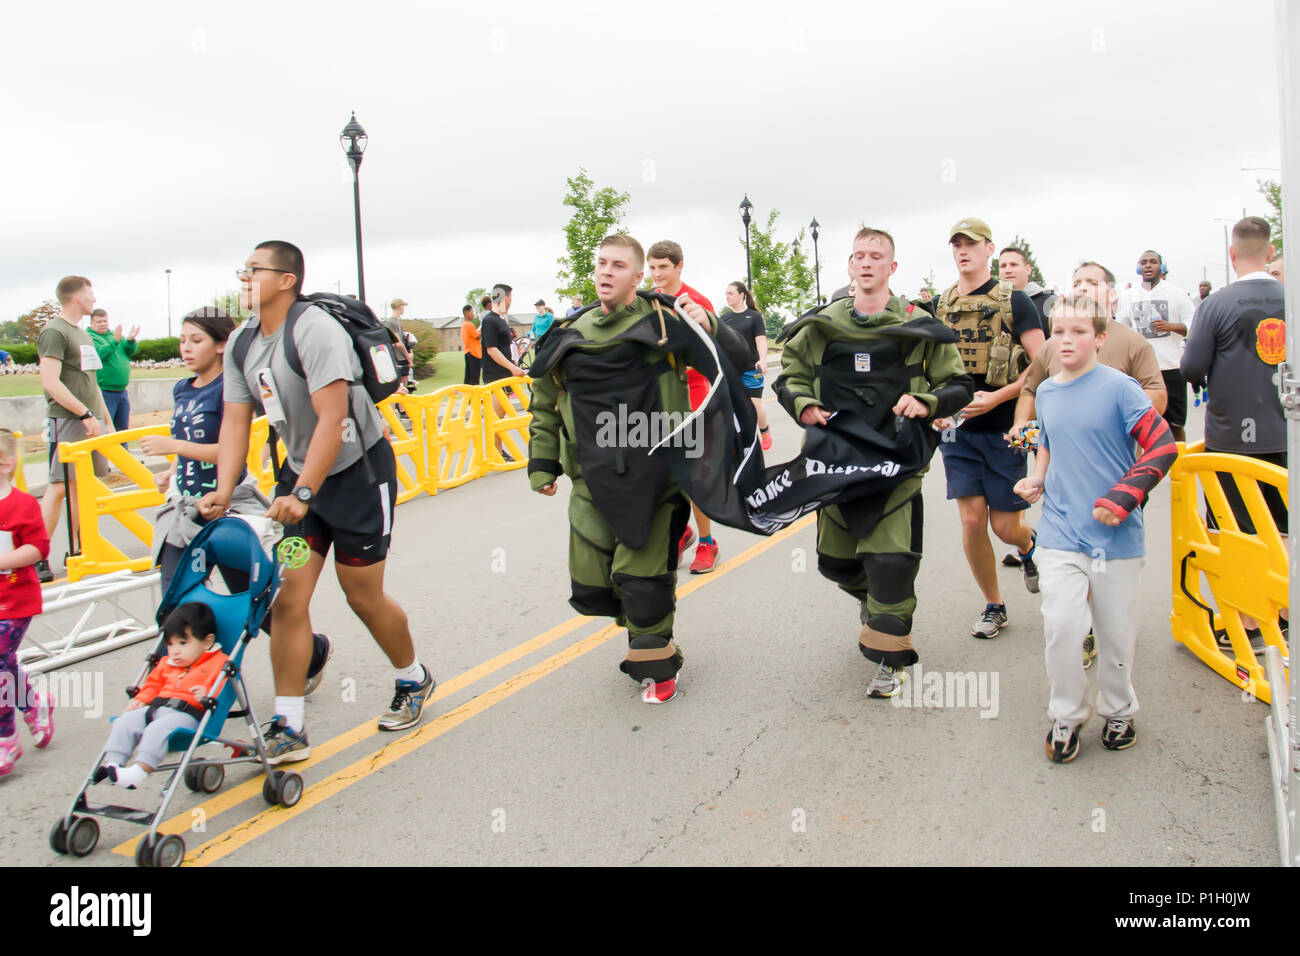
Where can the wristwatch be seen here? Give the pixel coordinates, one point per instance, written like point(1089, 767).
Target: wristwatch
point(88, 414)
point(303, 494)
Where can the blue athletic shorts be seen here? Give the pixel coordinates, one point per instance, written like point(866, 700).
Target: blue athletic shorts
point(983, 464)
point(753, 382)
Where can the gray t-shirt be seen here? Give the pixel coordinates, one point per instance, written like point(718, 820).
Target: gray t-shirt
point(327, 356)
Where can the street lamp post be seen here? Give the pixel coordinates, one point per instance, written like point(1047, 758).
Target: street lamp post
point(169, 302)
point(353, 140)
point(745, 207)
point(817, 259)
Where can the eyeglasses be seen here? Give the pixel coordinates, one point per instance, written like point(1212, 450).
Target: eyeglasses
point(244, 273)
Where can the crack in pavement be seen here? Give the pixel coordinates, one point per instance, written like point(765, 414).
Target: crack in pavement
point(696, 809)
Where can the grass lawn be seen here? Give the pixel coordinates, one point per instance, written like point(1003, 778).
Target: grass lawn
point(15, 385)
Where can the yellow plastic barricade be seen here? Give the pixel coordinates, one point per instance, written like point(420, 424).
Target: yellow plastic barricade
point(453, 421)
point(96, 501)
point(408, 443)
point(20, 480)
point(1246, 573)
point(511, 396)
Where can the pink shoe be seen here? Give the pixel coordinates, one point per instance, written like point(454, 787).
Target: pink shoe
point(706, 556)
point(765, 438)
point(9, 753)
point(688, 536)
point(40, 719)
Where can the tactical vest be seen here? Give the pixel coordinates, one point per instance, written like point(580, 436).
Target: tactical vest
point(983, 325)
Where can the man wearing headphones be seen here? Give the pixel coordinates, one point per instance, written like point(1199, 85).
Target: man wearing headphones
point(1162, 312)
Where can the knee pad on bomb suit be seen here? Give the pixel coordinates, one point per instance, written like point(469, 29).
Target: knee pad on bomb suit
point(893, 576)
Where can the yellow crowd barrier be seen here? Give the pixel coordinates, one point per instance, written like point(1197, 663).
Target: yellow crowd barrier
point(440, 441)
point(20, 480)
point(1245, 573)
point(96, 501)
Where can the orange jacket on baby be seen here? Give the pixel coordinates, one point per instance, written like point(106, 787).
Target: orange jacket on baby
point(182, 683)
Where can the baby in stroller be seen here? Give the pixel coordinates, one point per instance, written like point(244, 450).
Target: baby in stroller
point(168, 700)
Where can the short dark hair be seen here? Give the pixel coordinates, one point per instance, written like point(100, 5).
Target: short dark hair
point(500, 291)
point(193, 617)
point(213, 320)
point(467, 308)
point(98, 312)
point(666, 249)
point(68, 287)
point(1017, 250)
point(287, 256)
point(486, 302)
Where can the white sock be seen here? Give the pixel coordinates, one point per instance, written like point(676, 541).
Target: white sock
point(132, 776)
point(292, 709)
point(413, 674)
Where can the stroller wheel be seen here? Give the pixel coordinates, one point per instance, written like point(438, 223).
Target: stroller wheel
point(169, 852)
point(59, 837)
point(203, 777)
point(282, 787)
point(83, 836)
point(288, 791)
point(144, 852)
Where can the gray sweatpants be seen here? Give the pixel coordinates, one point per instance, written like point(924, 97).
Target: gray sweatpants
point(130, 729)
point(1078, 589)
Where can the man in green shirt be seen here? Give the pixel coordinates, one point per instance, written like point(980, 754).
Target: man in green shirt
point(115, 353)
point(73, 403)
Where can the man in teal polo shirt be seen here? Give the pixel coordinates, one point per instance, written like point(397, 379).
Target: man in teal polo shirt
point(115, 355)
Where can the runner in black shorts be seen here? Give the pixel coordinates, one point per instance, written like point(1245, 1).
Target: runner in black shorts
point(980, 466)
point(336, 486)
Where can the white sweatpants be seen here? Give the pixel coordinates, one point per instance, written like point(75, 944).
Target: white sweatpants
point(1076, 587)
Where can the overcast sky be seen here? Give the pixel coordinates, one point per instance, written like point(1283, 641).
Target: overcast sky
point(178, 135)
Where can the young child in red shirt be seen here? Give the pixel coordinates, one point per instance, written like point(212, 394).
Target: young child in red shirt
point(23, 542)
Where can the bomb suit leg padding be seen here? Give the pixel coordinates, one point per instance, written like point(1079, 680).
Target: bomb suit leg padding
point(645, 581)
point(837, 554)
point(892, 558)
point(591, 556)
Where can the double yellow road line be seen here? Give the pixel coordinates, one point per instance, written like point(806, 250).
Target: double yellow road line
point(261, 823)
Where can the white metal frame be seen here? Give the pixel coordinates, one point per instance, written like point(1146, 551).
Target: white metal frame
point(84, 639)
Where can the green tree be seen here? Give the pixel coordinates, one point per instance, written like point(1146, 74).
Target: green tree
point(1035, 274)
point(1272, 192)
point(228, 301)
point(783, 279)
point(475, 296)
point(31, 323)
point(9, 331)
point(596, 214)
point(927, 285)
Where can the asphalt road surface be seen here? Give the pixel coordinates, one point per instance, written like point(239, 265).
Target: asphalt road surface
point(536, 750)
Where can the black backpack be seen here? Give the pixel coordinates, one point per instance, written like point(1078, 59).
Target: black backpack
point(371, 340)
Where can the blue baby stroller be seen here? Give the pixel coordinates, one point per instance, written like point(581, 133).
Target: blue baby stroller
point(232, 546)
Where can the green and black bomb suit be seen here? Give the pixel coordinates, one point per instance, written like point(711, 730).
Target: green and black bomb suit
point(626, 513)
point(862, 365)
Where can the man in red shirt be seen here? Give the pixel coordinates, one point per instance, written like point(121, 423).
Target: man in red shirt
point(664, 261)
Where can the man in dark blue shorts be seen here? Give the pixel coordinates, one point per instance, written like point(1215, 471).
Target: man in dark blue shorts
point(336, 487)
point(996, 325)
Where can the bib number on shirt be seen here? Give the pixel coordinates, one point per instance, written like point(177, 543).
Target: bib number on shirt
point(90, 359)
point(270, 398)
point(862, 361)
